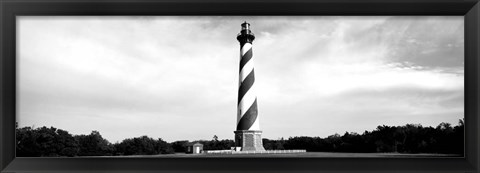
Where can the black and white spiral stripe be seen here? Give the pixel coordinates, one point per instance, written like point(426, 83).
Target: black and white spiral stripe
point(247, 118)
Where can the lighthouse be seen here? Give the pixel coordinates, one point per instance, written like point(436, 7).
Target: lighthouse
point(248, 135)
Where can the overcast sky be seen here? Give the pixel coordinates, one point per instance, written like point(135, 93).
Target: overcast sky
point(176, 78)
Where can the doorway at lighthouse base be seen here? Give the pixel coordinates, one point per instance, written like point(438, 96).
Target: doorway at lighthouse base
point(249, 140)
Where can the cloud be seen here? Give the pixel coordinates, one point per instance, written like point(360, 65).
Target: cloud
point(428, 41)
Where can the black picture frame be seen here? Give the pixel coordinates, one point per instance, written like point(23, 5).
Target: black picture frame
point(9, 9)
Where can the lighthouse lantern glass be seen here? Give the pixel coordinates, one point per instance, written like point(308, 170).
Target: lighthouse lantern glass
point(245, 26)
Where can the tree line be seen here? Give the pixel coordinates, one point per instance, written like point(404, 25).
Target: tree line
point(45, 142)
point(410, 138)
point(54, 142)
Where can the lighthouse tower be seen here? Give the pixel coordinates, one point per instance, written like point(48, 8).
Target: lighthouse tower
point(247, 135)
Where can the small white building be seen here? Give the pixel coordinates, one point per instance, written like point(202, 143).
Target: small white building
point(196, 148)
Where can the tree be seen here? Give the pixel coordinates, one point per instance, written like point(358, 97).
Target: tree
point(458, 138)
point(164, 147)
point(26, 143)
point(179, 146)
point(94, 145)
point(67, 145)
point(143, 145)
point(45, 142)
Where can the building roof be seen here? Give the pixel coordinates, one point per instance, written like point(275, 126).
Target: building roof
point(195, 144)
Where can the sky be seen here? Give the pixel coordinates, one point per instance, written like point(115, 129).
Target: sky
point(176, 77)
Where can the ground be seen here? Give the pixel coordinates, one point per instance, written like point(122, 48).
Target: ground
point(300, 155)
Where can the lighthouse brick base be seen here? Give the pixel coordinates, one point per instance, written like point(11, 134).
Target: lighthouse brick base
point(249, 140)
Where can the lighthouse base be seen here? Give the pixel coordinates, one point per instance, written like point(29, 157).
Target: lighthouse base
point(249, 140)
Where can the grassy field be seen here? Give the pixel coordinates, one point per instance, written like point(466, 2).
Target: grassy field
point(299, 155)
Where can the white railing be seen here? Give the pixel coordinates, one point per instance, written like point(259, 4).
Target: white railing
point(253, 152)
